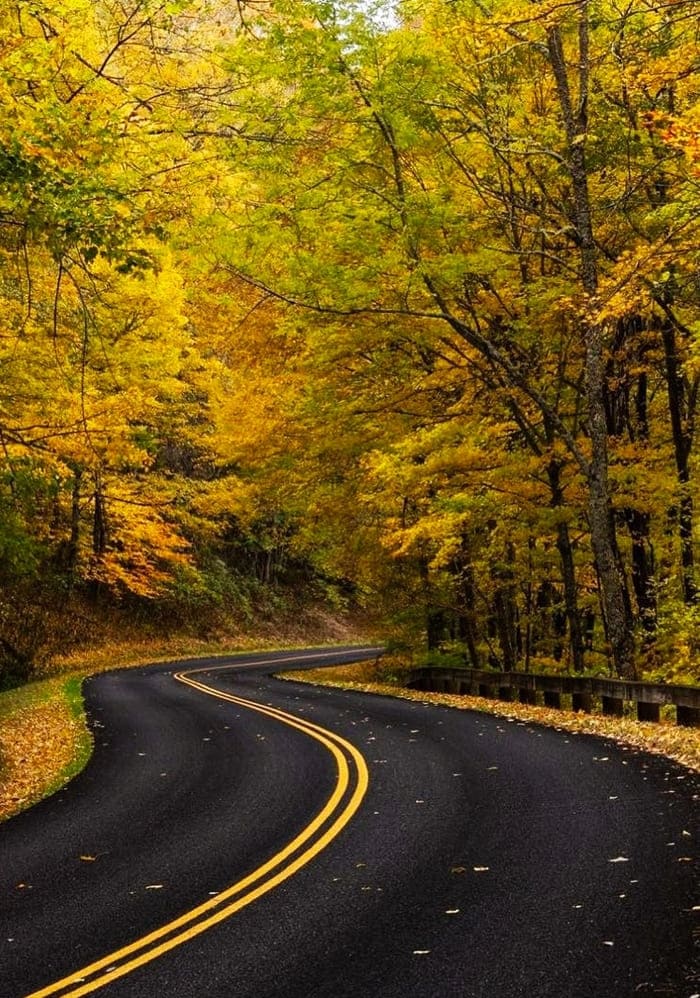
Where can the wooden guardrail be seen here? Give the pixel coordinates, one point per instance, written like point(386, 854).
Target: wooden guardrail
point(587, 693)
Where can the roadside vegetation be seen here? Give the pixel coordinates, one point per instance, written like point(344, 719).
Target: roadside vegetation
point(44, 741)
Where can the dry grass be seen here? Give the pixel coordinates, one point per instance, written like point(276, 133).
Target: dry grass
point(315, 627)
point(667, 739)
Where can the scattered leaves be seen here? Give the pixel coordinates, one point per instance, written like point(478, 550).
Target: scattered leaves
point(670, 740)
point(40, 739)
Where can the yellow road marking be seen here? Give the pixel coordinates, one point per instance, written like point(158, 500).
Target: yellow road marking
point(215, 910)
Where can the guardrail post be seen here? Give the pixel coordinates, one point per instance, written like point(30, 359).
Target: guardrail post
point(526, 695)
point(613, 706)
point(584, 691)
point(552, 698)
point(689, 717)
point(648, 711)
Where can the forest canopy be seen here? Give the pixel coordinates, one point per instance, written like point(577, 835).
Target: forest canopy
point(394, 305)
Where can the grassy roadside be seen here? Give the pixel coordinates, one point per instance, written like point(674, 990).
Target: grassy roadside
point(44, 740)
point(667, 739)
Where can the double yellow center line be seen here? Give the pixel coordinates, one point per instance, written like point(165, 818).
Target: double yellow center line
point(351, 783)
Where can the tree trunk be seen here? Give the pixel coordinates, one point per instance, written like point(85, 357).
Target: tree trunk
point(73, 549)
point(643, 569)
point(571, 597)
point(506, 611)
point(627, 415)
point(99, 522)
point(434, 616)
point(615, 601)
point(467, 618)
point(435, 627)
point(568, 571)
point(505, 622)
point(682, 443)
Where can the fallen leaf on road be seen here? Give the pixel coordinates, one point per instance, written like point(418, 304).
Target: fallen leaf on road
point(682, 744)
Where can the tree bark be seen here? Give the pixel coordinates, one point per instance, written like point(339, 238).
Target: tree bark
point(614, 594)
point(466, 622)
point(568, 571)
point(506, 612)
point(681, 430)
point(571, 597)
point(626, 405)
point(643, 569)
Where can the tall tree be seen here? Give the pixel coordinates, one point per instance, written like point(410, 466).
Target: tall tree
point(445, 182)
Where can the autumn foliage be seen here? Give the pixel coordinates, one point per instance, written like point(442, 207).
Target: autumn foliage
point(396, 306)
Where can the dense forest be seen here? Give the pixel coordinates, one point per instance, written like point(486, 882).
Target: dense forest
point(392, 306)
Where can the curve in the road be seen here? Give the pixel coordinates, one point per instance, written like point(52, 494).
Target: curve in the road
point(352, 780)
point(489, 857)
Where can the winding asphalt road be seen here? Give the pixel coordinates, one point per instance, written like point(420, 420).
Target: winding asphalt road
point(327, 844)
